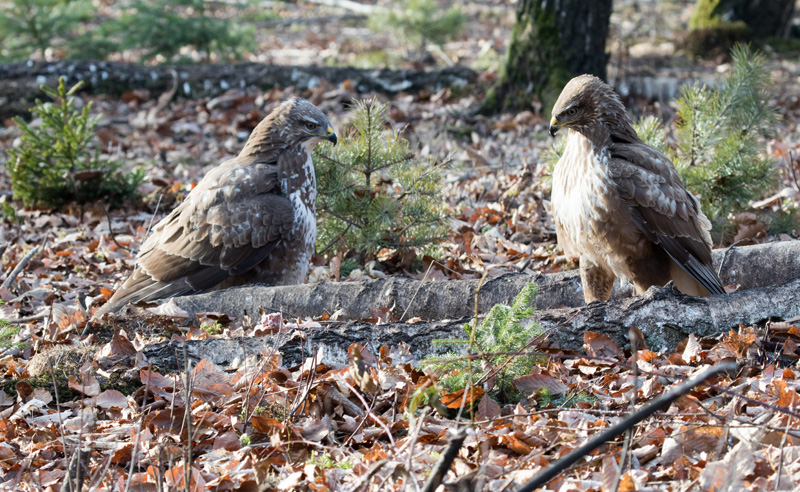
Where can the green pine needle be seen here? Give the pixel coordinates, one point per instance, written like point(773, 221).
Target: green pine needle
point(374, 192)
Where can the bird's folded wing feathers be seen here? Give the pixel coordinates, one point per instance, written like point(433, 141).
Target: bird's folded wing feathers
point(664, 210)
point(226, 226)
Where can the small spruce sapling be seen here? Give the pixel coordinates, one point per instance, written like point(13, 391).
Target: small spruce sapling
point(721, 154)
point(497, 338)
point(162, 28)
point(420, 22)
point(54, 163)
point(28, 25)
point(373, 192)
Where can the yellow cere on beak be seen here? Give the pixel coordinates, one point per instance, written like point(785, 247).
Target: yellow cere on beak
point(331, 135)
point(553, 126)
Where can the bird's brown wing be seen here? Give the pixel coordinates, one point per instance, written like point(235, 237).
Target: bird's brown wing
point(227, 225)
point(664, 210)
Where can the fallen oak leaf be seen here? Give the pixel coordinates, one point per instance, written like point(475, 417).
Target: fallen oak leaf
point(453, 400)
point(599, 345)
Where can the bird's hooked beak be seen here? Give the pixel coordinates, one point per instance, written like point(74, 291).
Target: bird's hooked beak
point(554, 126)
point(331, 136)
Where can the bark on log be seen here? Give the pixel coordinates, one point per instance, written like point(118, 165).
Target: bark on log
point(664, 316)
point(19, 82)
point(748, 267)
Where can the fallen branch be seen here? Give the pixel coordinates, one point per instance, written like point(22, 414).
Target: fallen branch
point(19, 82)
point(747, 267)
point(359, 8)
point(664, 316)
point(443, 465)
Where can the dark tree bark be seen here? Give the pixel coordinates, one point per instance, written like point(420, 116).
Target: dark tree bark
point(766, 18)
point(552, 41)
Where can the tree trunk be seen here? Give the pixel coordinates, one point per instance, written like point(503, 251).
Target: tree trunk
point(766, 18)
point(552, 41)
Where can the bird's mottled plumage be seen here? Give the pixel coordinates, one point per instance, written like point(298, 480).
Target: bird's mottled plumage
point(619, 205)
point(250, 219)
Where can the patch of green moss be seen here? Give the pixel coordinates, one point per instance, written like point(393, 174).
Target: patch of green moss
point(116, 382)
point(705, 14)
point(535, 66)
point(61, 386)
point(214, 328)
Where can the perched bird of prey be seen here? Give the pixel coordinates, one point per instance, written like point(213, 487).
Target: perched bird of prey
point(249, 220)
point(619, 205)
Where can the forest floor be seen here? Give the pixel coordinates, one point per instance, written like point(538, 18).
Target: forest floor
point(368, 426)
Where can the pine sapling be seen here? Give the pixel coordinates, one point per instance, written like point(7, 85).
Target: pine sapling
point(498, 339)
point(164, 28)
point(54, 163)
point(373, 192)
point(721, 153)
point(420, 21)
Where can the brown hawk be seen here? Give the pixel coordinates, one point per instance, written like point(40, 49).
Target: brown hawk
point(619, 205)
point(249, 220)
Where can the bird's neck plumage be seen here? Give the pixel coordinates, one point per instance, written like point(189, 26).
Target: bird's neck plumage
point(610, 122)
point(267, 136)
point(609, 129)
point(296, 174)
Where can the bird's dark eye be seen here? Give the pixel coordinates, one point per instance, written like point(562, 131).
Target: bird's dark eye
point(311, 126)
point(572, 111)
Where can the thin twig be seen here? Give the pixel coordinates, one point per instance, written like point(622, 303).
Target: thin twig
point(428, 271)
point(187, 386)
point(725, 255)
point(469, 388)
point(443, 466)
point(364, 481)
point(368, 407)
point(657, 404)
point(780, 461)
point(413, 441)
point(34, 317)
point(312, 374)
point(23, 263)
point(111, 231)
point(624, 456)
point(152, 217)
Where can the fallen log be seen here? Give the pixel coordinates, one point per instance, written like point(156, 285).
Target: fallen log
point(664, 315)
point(747, 267)
point(19, 82)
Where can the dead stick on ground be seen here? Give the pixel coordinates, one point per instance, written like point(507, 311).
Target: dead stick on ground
point(22, 263)
point(438, 474)
point(659, 403)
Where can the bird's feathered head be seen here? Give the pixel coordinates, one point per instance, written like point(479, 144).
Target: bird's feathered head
point(590, 106)
point(294, 122)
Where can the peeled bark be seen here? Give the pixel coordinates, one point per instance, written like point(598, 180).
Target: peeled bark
point(664, 316)
point(747, 267)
